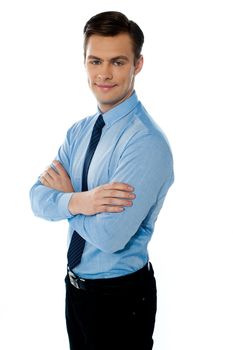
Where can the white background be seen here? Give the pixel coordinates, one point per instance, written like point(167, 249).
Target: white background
point(187, 86)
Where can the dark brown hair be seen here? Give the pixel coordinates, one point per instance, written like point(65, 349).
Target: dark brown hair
point(111, 23)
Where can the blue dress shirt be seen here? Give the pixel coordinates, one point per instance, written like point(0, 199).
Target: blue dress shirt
point(133, 150)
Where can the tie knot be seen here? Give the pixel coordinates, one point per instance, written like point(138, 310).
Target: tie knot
point(99, 124)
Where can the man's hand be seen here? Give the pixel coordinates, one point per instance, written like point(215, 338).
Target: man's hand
point(112, 197)
point(56, 177)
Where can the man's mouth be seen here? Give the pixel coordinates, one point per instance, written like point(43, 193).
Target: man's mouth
point(105, 87)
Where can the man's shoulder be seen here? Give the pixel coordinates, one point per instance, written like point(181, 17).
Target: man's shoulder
point(144, 128)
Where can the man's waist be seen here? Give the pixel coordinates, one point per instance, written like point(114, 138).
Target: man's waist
point(96, 264)
point(133, 280)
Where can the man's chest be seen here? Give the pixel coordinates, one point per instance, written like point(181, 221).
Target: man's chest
point(105, 159)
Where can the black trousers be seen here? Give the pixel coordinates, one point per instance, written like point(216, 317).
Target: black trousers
point(117, 313)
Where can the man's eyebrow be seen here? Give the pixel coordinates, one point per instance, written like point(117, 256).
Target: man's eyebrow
point(121, 57)
point(91, 57)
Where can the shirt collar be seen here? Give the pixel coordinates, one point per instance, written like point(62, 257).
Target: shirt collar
point(120, 111)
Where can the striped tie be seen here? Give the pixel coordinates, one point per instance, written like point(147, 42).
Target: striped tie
point(77, 242)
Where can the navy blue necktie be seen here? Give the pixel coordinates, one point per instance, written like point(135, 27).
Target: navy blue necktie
point(77, 243)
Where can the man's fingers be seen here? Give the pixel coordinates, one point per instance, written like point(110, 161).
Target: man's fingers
point(112, 209)
point(58, 167)
point(54, 169)
point(49, 173)
point(117, 201)
point(43, 180)
point(46, 175)
point(119, 194)
point(121, 186)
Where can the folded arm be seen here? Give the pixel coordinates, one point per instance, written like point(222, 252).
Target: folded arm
point(56, 185)
point(151, 174)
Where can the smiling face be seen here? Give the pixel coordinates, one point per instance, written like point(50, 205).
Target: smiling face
point(111, 67)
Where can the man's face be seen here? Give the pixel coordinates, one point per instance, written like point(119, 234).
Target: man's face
point(111, 68)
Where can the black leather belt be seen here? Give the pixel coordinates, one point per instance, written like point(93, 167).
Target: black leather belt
point(132, 280)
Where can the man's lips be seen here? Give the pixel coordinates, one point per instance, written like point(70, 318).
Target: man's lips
point(105, 87)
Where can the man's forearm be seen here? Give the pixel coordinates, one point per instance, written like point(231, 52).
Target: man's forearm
point(49, 204)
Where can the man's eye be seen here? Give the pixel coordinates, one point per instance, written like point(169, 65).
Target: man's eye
point(118, 63)
point(95, 62)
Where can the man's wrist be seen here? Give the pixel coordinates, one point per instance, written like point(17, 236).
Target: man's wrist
point(73, 205)
point(62, 205)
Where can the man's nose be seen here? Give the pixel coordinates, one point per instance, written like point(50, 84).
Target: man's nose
point(105, 72)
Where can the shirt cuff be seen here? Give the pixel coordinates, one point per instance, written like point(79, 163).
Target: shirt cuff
point(63, 205)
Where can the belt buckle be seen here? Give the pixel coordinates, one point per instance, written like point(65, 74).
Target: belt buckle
point(74, 280)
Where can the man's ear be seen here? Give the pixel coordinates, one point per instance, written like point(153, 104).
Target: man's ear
point(138, 65)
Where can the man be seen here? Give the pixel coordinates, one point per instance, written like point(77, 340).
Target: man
point(109, 180)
